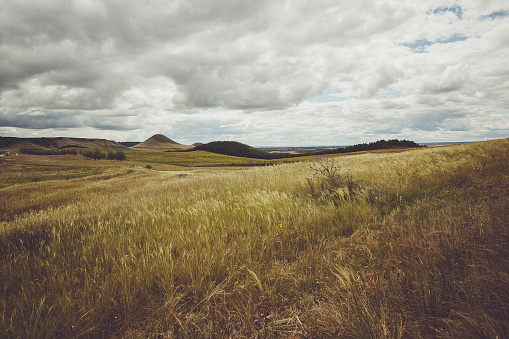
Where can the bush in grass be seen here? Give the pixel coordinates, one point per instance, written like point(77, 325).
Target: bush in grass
point(328, 183)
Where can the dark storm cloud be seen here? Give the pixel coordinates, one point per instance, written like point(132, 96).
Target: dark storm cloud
point(45, 119)
point(41, 120)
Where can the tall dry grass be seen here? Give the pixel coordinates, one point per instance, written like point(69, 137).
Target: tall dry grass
point(417, 252)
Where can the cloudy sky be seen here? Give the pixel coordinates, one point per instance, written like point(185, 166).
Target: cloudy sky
point(262, 72)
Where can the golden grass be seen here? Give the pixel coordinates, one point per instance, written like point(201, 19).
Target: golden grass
point(250, 253)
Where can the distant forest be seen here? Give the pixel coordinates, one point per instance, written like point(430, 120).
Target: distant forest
point(96, 154)
point(238, 149)
point(381, 144)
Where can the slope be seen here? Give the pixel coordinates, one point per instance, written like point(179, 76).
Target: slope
point(13, 144)
point(160, 142)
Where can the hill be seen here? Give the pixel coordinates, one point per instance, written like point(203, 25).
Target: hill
point(238, 149)
point(128, 143)
point(242, 150)
point(161, 143)
point(12, 143)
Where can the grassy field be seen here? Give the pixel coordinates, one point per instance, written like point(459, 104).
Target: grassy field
point(417, 247)
point(194, 159)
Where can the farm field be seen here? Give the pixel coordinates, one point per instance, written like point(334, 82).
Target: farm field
point(397, 244)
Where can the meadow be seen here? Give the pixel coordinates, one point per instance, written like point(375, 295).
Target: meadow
point(199, 159)
point(414, 244)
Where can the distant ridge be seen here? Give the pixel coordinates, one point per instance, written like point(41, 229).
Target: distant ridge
point(238, 149)
point(55, 143)
point(161, 143)
point(241, 150)
point(128, 143)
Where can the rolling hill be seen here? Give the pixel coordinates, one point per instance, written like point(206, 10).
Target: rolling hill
point(12, 143)
point(160, 142)
point(238, 149)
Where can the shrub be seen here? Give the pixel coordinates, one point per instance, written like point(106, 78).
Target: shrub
point(327, 181)
point(120, 155)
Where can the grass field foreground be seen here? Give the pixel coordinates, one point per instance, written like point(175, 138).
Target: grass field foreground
point(418, 251)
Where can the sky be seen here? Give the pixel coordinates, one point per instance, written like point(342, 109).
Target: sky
point(263, 72)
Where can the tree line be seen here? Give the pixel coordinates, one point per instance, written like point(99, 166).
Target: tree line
point(37, 151)
point(97, 155)
point(92, 154)
point(380, 144)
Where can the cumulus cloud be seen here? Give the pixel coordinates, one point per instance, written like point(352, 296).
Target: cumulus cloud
point(264, 72)
point(453, 78)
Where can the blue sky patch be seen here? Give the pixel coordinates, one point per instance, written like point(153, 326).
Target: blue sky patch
point(454, 9)
point(505, 111)
point(453, 38)
point(419, 46)
point(494, 15)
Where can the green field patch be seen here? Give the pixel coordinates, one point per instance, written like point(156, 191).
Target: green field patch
point(196, 159)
